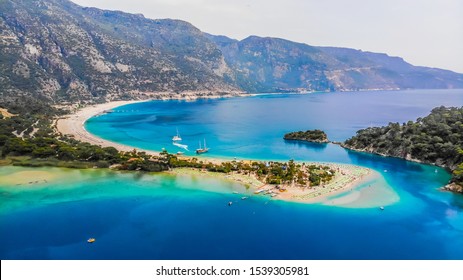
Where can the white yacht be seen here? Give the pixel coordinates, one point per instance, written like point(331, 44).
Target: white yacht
point(177, 137)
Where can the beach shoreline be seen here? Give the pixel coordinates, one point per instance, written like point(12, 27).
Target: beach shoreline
point(347, 176)
point(73, 125)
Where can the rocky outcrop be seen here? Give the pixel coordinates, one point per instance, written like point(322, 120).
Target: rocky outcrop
point(453, 188)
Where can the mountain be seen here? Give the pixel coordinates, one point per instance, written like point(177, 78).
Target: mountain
point(272, 64)
point(56, 51)
point(60, 51)
point(367, 70)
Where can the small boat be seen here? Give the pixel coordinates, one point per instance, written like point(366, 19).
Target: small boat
point(177, 137)
point(235, 192)
point(244, 197)
point(230, 203)
point(381, 208)
point(202, 150)
point(91, 240)
point(180, 153)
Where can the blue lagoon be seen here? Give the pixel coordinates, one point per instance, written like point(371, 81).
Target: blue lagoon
point(185, 216)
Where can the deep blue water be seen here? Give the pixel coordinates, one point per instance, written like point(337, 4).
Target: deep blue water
point(169, 218)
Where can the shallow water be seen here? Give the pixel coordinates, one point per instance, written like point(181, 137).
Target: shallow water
point(141, 216)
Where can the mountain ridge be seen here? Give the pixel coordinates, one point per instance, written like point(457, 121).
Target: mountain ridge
point(340, 69)
point(58, 51)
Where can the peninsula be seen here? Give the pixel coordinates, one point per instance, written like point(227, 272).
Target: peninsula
point(435, 139)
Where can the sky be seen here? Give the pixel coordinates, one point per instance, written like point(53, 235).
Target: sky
point(423, 32)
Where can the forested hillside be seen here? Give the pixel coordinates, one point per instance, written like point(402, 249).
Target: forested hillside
point(436, 138)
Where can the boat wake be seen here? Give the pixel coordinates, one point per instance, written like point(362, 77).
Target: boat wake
point(185, 147)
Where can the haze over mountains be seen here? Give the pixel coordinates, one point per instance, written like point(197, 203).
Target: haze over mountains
point(56, 50)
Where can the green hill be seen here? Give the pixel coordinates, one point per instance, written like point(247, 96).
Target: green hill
point(434, 139)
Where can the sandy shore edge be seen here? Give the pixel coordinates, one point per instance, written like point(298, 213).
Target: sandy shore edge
point(347, 177)
point(74, 125)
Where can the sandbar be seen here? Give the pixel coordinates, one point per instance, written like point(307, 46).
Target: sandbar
point(28, 178)
point(347, 177)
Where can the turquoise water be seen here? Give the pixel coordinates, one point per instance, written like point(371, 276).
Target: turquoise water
point(143, 216)
point(253, 127)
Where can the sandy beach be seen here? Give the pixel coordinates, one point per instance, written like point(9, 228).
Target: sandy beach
point(73, 125)
point(346, 178)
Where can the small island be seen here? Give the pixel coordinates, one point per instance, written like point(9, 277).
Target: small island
point(316, 136)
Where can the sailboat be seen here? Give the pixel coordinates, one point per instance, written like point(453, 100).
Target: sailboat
point(177, 137)
point(202, 150)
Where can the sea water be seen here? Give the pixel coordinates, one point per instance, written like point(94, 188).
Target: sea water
point(164, 216)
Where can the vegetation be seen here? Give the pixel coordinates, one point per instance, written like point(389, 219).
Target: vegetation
point(436, 139)
point(458, 172)
point(63, 152)
point(27, 139)
point(316, 135)
point(275, 173)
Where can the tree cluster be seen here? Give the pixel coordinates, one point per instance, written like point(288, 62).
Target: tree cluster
point(436, 138)
point(275, 173)
point(316, 135)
